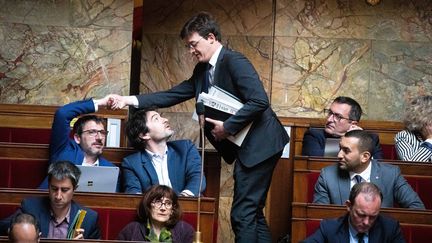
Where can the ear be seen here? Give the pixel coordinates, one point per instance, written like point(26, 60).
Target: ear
point(348, 205)
point(77, 138)
point(365, 156)
point(144, 137)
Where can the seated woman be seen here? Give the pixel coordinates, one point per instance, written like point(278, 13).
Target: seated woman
point(158, 219)
point(415, 142)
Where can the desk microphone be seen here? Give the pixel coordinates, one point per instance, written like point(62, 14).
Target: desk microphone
point(200, 109)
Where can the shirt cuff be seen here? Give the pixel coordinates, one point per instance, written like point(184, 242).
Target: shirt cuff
point(96, 106)
point(186, 193)
point(135, 102)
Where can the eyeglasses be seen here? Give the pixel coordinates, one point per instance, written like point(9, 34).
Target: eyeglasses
point(94, 132)
point(158, 204)
point(193, 45)
point(336, 116)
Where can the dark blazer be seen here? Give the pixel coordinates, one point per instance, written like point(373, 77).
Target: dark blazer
point(184, 169)
point(236, 75)
point(39, 207)
point(62, 147)
point(384, 230)
point(314, 143)
point(136, 231)
point(333, 186)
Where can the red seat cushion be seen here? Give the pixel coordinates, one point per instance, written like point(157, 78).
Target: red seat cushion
point(311, 180)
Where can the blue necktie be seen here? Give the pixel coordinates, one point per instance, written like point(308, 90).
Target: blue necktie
point(358, 178)
point(360, 236)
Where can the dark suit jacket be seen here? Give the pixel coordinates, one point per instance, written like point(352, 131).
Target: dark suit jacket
point(384, 230)
point(136, 231)
point(62, 147)
point(184, 169)
point(314, 143)
point(333, 186)
point(39, 207)
point(236, 75)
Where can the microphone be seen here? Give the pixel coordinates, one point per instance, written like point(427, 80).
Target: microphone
point(200, 109)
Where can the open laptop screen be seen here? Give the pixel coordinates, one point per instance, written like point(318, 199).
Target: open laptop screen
point(98, 178)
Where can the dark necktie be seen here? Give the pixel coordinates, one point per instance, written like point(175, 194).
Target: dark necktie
point(358, 179)
point(360, 236)
point(207, 83)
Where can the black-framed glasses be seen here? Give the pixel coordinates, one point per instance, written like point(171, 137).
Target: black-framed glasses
point(158, 204)
point(193, 45)
point(94, 132)
point(336, 116)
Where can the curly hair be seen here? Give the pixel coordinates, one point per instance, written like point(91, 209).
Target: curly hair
point(418, 114)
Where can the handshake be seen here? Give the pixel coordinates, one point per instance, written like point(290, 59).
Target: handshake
point(115, 102)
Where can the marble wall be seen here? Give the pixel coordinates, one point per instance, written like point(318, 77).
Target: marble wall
point(55, 52)
point(307, 52)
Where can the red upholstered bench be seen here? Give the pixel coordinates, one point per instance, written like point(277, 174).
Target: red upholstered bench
point(312, 178)
point(389, 151)
point(15, 172)
point(422, 185)
point(25, 135)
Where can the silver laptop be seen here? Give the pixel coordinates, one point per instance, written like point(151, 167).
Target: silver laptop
point(98, 178)
point(331, 148)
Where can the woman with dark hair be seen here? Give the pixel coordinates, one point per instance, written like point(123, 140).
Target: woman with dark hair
point(158, 219)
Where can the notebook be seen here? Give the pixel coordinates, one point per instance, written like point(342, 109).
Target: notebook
point(98, 178)
point(331, 148)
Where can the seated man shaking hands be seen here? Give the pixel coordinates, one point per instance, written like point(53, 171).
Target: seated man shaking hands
point(176, 164)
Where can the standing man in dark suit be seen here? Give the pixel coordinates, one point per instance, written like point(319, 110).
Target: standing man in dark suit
point(355, 165)
point(56, 212)
point(343, 116)
point(261, 149)
point(176, 164)
point(362, 223)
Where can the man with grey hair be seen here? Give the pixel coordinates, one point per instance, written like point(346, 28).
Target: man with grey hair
point(56, 212)
point(362, 222)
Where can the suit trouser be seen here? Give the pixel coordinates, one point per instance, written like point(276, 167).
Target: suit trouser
point(250, 192)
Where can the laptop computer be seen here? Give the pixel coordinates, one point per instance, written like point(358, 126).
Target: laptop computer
point(331, 148)
point(98, 178)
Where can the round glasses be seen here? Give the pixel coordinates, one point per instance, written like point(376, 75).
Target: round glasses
point(336, 116)
point(158, 204)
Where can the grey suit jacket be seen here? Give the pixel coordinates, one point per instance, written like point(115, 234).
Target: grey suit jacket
point(333, 186)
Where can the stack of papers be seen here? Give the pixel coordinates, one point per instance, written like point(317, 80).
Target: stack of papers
point(220, 105)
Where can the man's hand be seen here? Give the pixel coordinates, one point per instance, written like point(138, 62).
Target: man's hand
point(218, 131)
point(426, 132)
point(115, 102)
point(78, 234)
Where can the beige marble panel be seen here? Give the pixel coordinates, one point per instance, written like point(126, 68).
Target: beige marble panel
point(78, 13)
point(249, 17)
point(165, 62)
point(225, 234)
point(308, 73)
point(55, 65)
point(400, 71)
point(102, 14)
point(390, 20)
point(56, 13)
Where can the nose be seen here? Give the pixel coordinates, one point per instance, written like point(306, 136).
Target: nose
point(58, 194)
point(340, 154)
